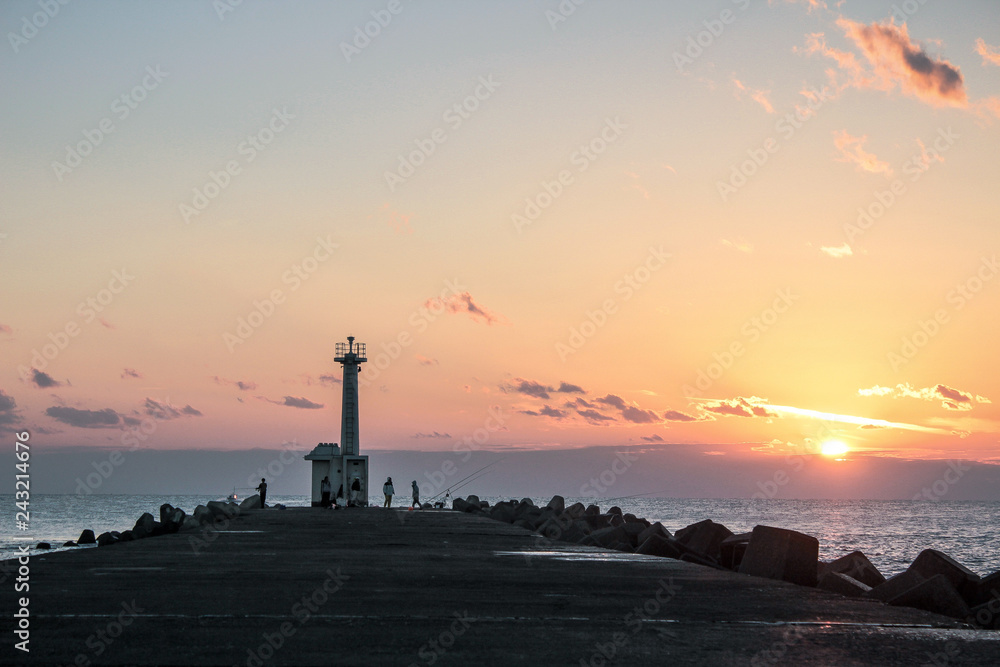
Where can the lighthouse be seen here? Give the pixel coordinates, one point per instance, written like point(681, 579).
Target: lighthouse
point(343, 463)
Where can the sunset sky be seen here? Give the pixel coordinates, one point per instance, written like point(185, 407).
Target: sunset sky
point(747, 227)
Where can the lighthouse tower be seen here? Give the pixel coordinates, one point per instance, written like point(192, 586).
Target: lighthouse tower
point(342, 463)
point(350, 356)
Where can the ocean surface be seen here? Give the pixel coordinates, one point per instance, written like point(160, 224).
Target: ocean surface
point(890, 533)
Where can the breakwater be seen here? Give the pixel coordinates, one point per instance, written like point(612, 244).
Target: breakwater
point(933, 581)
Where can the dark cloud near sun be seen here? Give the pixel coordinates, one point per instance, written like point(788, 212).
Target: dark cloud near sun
point(131, 373)
point(738, 407)
point(9, 414)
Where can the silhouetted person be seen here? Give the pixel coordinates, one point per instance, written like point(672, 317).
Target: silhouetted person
point(388, 491)
point(416, 495)
point(324, 489)
point(355, 491)
point(262, 489)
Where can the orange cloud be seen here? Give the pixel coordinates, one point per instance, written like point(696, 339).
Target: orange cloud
point(990, 56)
point(758, 96)
point(897, 60)
point(852, 149)
point(464, 303)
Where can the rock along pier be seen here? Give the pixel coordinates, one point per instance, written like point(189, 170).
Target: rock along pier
point(308, 586)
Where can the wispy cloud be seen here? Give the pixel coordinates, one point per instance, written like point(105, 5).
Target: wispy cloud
point(837, 252)
point(293, 402)
point(464, 303)
point(758, 96)
point(990, 54)
point(951, 398)
point(5, 329)
point(163, 410)
point(242, 385)
point(851, 149)
point(433, 435)
point(427, 361)
point(750, 406)
point(738, 244)
point(131, 373)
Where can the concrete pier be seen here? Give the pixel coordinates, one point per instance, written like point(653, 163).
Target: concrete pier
point(308, 586)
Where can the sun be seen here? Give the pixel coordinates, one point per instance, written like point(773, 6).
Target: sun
point(834, 448)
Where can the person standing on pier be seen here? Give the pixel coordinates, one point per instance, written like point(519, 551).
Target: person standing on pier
point(355, 492)
point(262, 489)
point(324, 489)
point(388, 491)
point(416, 495)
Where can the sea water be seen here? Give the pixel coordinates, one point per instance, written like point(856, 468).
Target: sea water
point(891, 533)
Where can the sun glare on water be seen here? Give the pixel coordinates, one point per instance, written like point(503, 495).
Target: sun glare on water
point(834, 448)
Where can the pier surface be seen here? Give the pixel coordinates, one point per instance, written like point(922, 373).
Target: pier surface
point(309, 586)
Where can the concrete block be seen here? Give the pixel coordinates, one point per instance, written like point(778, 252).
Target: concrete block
point(521, 523)
point(616, 519)
point(895, 585)
point(857, 566)
point(605, 537)
point(658, 545)
point(623, 547)
point(473, 500)
point(935, 594)
point(837, 582)
point(557, 504)
point(655, 529)
point(71, 543)
point(931, 562)
point(593, 510)
point(86, 537)
point(502, 512)
point(106, 540)
point(732, 549)
point(596, 521)
point(777, 553)
point(634, 529)
point(250, 503)
point(46, 545)
point(615, 510)
point(987, 589)
point(576, 510)
point(987, 614)
point(704, 537)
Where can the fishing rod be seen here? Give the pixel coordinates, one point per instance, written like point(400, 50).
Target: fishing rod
point(465, 478)
point(456, 488)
